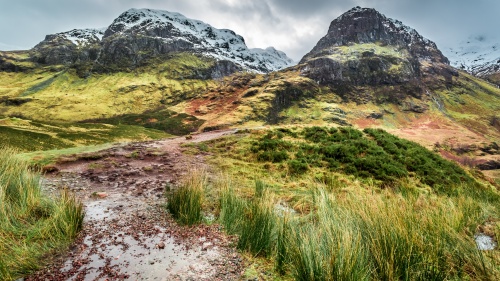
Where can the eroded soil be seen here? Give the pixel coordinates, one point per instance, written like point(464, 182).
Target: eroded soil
point(127, 234)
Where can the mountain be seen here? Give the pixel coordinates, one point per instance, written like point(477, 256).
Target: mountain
point(478, 55)
point(367, 71)
point(365, 48)
point(157, 70)
point(139, 35)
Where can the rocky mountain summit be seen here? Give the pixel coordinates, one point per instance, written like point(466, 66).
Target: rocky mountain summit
point(141, 34)
point(365, 48)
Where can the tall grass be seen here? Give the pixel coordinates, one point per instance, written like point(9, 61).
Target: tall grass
point(259, 228)
point(363, 236)
point(387, 238)
point(186, 203)
point(232, 211)
point(31, 224)
point(253, 221)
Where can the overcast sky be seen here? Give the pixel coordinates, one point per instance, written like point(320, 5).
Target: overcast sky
point(293, 26)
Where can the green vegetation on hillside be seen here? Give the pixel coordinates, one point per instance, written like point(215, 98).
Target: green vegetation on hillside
point(162, 120)
point(320, 203)
point(32, 225)
point(62, 95)
point(472, 102)
point(372, 155)
point(357, 51)
point(26, 135)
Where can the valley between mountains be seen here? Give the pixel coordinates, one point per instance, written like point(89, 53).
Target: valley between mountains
point(162, 148)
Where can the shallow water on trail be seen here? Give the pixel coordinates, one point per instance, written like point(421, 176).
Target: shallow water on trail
point(485, 242)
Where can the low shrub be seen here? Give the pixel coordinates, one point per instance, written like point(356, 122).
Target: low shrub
point(372, 153)
point(297, 167)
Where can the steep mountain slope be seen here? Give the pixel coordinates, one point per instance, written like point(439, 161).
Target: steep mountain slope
point(138, 35)
point(368, 71)
point(478, 55)
point(364, 48)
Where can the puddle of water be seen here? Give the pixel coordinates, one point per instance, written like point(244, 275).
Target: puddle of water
point(110, 207)
point(485, 242)
point(136, 254)
point(97, 210)
point(282, 209)
point(142, 260)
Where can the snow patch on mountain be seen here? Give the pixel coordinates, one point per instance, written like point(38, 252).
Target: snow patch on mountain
point(479, 55)
point(221, 44)
point(408, 31)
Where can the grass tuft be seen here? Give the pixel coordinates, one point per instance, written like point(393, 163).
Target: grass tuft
point(186, 203)
point(31, 225)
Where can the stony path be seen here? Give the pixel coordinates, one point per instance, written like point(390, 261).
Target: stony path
point(127, 235)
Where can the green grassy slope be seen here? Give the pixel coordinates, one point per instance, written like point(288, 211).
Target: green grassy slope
point(42, 107)
point(26, 135)
point(64, 96)
point(321, 203)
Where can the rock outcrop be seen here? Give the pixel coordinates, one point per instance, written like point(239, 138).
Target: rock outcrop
point(365, 48)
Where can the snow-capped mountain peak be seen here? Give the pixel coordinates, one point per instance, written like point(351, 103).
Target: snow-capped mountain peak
point(139, 34)
point(221, 44)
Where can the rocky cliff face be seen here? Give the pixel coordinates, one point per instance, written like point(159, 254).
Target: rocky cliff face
point(365, 48)
point(141, 34)
point(77, 45)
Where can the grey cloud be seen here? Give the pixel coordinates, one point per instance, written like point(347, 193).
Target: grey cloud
point(293, 26)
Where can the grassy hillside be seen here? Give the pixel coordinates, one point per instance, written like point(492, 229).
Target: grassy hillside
point(42, 108)
point(27, 135)
point(243, 99)
point(169, 94)
point(321, 203)
point(466, 104)
point(64, 96)
point(474, 103)
point(371, 157)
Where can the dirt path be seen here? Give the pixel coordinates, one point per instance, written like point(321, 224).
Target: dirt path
point(127, 234)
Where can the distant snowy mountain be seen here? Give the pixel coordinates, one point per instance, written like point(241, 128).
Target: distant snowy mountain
point(139, 34)
point(478, 55)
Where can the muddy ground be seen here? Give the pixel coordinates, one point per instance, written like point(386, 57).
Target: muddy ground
point(127, 234)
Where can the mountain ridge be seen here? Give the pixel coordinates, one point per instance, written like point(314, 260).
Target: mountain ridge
point(373, 27)
point(140, 34)
point(371, 79)
point(367, 57)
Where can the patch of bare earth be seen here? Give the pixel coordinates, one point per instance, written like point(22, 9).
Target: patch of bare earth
point(127, 235)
